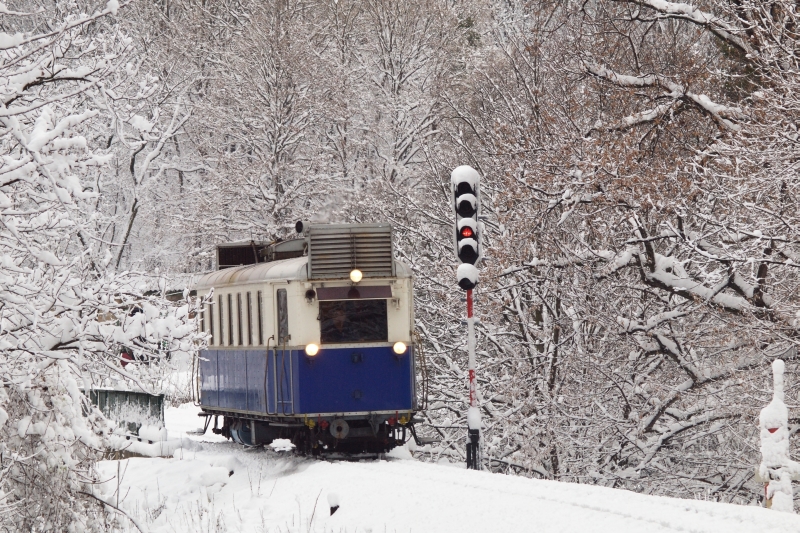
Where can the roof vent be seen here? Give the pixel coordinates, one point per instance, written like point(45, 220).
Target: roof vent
point(336, 249)
point(233, 254)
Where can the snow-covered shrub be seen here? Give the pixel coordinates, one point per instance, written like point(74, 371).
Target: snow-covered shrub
point(63, 312)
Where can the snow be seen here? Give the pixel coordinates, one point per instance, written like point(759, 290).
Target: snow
point(670, 272)
point(10, 40)
point(465, 270)
point(156, 441)
point(153, 433)
point(150, 448)
point(720, 112)
point(473, 418)
point(183, 421)
point(467, 242)
point(140, 123)
point(465, 173)
point(224, 487)
point(467, 198)
point(467, 222)
point(333, 499)
point(282, 445)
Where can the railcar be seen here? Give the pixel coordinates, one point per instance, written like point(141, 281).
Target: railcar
point(311, 342)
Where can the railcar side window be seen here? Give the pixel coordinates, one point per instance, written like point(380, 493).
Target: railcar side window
point(221, 323)
point(260, 322)
point(249, 320)
point(211, 322)
point(283, 317)
point(230, 320)
point(353, 321)
point(239, 317)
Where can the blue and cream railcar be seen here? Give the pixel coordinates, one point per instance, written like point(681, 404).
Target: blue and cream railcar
point(313, 344)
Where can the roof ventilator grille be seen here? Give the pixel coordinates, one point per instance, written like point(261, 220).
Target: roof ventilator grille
point(335, 250)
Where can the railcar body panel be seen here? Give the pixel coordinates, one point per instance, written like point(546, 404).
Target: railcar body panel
point(209, 388)
point(356, 379)
point(336, 380)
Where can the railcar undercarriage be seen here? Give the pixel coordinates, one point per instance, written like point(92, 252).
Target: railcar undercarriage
point(348, 435)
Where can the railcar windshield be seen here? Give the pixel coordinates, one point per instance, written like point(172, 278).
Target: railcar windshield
point(353, 321)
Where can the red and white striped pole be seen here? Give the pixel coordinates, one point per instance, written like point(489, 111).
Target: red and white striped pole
point(473, 414)
point(471, 349)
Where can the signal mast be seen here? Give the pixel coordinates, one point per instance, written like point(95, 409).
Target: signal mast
point(464, 181)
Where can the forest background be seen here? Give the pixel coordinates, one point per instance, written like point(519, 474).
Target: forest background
point(639, 163)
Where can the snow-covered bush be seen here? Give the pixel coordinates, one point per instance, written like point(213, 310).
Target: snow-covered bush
point(63, 311)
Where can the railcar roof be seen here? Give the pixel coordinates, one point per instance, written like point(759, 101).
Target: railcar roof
point(285, 269)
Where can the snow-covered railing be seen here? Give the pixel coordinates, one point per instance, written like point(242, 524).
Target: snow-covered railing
point(777, 470)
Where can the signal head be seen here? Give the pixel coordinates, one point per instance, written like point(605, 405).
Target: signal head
point(464, 182)
point(467, 205)
point(463, 188)
point(467, 241)
point(468, 251)
point(467, 228)
point(464, 179)
point(467, 276)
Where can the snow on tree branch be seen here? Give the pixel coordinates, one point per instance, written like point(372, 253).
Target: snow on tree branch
point(723, 115)
point(723, 29)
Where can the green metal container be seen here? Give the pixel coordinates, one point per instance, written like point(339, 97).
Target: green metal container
point(131, 410)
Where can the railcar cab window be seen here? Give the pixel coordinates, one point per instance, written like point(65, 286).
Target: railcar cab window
point(353, 321)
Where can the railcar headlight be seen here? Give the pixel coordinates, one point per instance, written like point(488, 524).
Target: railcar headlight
point(356, 275)
point(312, 349)
point(399, 348)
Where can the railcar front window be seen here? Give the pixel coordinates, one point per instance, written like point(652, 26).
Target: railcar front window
point(353, 321)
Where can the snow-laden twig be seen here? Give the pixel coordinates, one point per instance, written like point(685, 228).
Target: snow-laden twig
point(725, 30)
point(724, 115)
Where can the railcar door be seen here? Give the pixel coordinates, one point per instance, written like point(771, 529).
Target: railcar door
point(282, 355)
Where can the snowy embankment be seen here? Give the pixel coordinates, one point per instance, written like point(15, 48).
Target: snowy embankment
point(218, 486)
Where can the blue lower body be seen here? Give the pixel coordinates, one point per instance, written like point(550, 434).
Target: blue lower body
point(290, 383)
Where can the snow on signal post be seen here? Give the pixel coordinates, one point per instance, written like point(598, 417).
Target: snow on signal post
point(464, 182)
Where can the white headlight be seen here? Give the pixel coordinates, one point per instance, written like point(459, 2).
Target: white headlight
point(356, 275)
point(399, 348)
point(312, 349)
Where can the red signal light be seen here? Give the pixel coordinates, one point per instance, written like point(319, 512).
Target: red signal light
point(466, 232)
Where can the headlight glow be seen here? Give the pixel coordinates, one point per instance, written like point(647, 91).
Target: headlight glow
point(312, 349)
point(399, 348)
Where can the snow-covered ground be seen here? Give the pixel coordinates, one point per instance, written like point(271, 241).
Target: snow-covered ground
point(218, 486)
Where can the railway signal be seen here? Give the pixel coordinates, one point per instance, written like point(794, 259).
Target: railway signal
point(467, 238)
point(464, 181)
